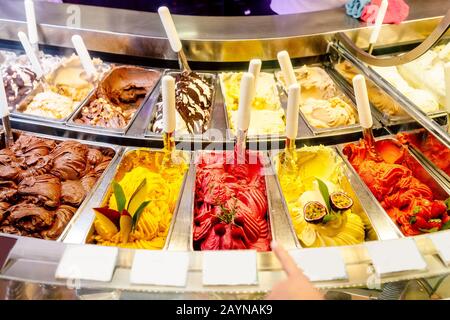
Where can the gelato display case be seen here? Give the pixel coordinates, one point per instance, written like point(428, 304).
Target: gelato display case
point(89, 170)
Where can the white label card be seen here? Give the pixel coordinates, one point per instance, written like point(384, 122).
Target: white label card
point(441, 241)
point(163, 268)
point(391, 256)
point(321, 264)
point(234, 267)
point(87, 262)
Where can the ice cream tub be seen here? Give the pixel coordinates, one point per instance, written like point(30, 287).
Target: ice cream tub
point(429, 150)
point(230, 205)
point(117, 100)
point(299, 183)
point(267, 118)
point(43, 198)
point(60, 92)
point(325, 106)
point(386, 100)
point(195, 95)
point(144, 180)
point(49, 98)
point(407, 192)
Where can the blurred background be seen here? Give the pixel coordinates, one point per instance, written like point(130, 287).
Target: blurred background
point(217, 7)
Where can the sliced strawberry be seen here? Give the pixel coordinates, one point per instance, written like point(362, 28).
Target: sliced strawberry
point(437, 209)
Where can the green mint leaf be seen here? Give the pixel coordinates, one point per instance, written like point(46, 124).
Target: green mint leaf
point(447, 203)
point(138, 213)
point(428, 230)
point(328, 217)
point(325, 193)
point(141, 185)
point(120, 196)
point(446, 226)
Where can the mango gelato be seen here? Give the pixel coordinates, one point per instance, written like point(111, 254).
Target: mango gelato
point(144, 180)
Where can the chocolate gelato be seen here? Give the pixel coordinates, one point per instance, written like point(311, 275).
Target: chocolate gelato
point(118, 97)
point(42, 183)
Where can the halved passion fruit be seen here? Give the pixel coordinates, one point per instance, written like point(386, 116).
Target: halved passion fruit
point(314, 212)
point(340, 201)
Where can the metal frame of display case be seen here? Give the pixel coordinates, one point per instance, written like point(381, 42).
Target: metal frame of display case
point(139, 39)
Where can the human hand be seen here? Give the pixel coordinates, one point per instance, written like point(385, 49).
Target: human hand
point(297, 286)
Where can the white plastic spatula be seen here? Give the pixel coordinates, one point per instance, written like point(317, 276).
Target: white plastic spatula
point(84, 56)
point(292, 125)
point(169, 112)
point(247, 92)
point(447, 93)
point(365, 116)
point(31, 54)
point(4, 114)
point(254, 68)
point(292, 114)
point(286, 67)
point(172, 35)
point(172, 157)
point(31, 24)
point(378, 23)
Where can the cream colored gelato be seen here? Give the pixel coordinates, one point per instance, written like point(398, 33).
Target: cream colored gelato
point(267, 116)
point(328, 113)
point(383, 102)
point(422, 98)
point(51, 105)
point(321, 104)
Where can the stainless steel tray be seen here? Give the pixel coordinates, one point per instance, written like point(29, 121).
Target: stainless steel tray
point(102, 196)
point(92, 96)
point(440, 190)
point(211, 78)
point(270, 212)
point(231, 134)
point(97, 145)
point(376, 225)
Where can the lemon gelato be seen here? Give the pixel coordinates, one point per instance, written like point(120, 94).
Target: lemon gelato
point(299, 185)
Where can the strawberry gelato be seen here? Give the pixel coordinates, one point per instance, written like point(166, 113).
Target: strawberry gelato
point(396, 181)
point(231, 208)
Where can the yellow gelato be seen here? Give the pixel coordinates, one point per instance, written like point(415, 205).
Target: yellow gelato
point(267, 116)
point(162, 190)
point(299, 186)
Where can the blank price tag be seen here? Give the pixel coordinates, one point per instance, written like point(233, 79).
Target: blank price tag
point(320, 264)
point(6, 245)
point(441, 241)
point(163, 268)
point(87, 262)
point(395, 256)
point(230, 267)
